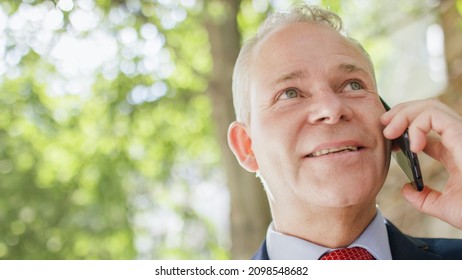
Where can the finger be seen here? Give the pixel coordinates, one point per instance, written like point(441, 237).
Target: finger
point(389, 115)
point(425, 201)
point(395, 128)
point(398, 119)
point(415, 106)
point(440, 121)
point(402, 115)
point(431, 202)
point(434, 148)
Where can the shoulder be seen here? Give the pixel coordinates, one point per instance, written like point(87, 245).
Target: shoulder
point(449, 249)
point(262, 253)
point(404, 247)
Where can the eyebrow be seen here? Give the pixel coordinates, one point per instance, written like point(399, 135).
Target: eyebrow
point(290, 76)
point(351, 68)
point(298, 74)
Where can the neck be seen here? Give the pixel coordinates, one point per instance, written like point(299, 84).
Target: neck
point(330, 227)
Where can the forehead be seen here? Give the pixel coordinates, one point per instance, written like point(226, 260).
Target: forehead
point(311, 45)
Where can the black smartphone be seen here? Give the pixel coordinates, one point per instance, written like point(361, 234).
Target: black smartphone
point(406, 159)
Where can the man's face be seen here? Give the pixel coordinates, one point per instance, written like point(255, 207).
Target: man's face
point(314, 128)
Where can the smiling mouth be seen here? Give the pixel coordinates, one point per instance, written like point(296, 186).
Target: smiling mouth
point(333, 151)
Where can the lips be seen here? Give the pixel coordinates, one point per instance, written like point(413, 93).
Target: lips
point(327, 151)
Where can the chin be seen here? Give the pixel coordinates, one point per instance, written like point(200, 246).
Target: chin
point(339, 194)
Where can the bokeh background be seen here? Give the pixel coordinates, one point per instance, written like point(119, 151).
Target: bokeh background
point(113, 120)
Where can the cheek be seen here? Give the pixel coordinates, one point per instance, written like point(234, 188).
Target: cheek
point(273, 147)
point(275, 135)
point(383, 150)
point(269, 146)
point(387, 153)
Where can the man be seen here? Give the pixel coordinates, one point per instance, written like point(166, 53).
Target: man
point(311, 125)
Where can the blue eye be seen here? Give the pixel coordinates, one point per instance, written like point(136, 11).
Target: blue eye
point(354, 85)
point(289, 93)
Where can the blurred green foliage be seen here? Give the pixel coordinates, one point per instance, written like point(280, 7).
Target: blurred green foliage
point(88, 152)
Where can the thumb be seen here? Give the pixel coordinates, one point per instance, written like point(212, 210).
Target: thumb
point(425, 201)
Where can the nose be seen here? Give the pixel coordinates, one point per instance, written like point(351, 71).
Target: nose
point(328, 108)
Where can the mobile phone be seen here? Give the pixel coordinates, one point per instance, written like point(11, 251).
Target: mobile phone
point(406, 159)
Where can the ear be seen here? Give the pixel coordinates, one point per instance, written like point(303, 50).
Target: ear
point(241, 144)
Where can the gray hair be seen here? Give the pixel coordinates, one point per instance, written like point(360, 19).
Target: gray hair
point(298, 13)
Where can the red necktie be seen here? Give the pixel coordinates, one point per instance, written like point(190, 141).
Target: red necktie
point(354, 253)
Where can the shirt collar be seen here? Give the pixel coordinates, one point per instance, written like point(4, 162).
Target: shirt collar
point(285, 247)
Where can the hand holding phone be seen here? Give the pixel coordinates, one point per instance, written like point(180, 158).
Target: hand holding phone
point(406, 159)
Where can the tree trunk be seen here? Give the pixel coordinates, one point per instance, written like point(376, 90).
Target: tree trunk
point(249, 208)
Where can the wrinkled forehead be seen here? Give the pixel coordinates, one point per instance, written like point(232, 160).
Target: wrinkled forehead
point(285, 43)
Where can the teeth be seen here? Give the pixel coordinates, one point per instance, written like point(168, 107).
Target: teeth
point(332, 150)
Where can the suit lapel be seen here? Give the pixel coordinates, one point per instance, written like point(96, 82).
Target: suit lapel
point(404, 247)
point(262, 253)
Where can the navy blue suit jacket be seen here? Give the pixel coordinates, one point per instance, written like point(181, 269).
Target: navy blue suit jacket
point(404, 247)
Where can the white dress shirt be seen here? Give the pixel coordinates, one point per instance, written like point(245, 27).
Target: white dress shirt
point(285, 247)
